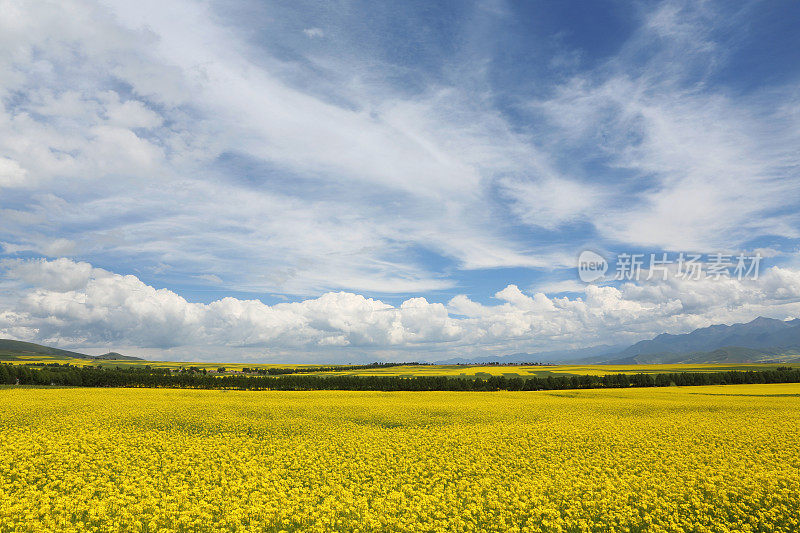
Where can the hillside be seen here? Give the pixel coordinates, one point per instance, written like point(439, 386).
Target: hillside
point(114, 356)
point(728, 354)
point(16, 348)
point(12, 350)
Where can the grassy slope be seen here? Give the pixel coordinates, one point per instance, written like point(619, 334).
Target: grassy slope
point(10, 349)
point(730, 354)
point(20, 351)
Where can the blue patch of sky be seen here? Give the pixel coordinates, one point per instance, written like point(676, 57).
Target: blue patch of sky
point(763, 47)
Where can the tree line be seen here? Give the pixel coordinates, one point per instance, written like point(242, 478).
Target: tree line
point(90, 376)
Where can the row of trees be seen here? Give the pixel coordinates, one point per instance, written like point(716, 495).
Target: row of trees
point(145, 377)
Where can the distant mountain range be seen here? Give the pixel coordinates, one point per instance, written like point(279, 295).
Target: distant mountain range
point(13, 349)
point(760, 333)
point(759, 341)
point(763, 340)
point(523, 357)
point(728, 354)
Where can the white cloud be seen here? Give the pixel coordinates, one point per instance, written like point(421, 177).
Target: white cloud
point(141, 167)
point(59, 247)
point(11, 173)
point(59, 275)
point(314, 32)
point(70, 303)
point(211, 278)
point(552, 202)
point(699, 169)
point(130, 114)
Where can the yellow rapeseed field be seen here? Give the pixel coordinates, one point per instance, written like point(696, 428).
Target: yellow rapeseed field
point(522, 371)
point(701, 459)
point(455, 371)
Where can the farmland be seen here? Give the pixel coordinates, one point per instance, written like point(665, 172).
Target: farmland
point(416, 370)
point(525, 371)
point(671, 459)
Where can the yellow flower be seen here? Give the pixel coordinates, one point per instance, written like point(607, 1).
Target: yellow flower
point(674, 459)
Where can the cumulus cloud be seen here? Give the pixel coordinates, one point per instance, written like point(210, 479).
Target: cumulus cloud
point(60, 275)
point(73, 302)
point(70, 303)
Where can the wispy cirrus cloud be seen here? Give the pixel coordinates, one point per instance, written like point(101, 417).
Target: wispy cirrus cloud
point(336, 192)
point(696, 166)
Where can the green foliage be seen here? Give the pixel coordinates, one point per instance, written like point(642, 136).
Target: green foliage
point(96, 376)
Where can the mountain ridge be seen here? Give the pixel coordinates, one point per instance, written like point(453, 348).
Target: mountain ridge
point(12, 348)
point(760, 340)
point(762, 334)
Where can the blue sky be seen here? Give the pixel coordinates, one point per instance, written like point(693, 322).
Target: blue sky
point(273, 180)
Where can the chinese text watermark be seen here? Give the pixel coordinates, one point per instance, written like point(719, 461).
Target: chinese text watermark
point(660, 266)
